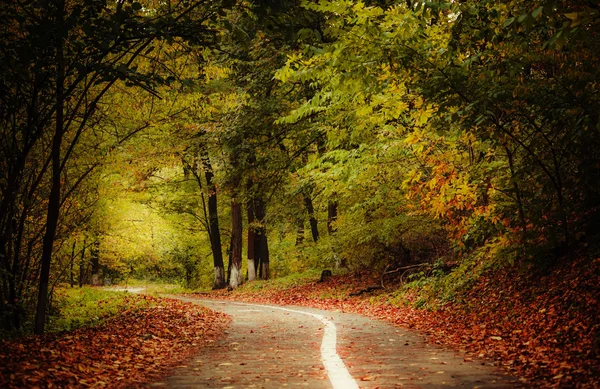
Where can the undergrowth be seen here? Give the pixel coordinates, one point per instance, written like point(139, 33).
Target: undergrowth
point(443, 284)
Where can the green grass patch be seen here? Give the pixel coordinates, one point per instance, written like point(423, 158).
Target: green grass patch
point(296, 279)
point(281, 283)
point(88, 306)
point(155, 288)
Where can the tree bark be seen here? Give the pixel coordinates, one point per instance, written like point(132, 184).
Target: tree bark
point(251, 238)
point(311, 215)
point(53, 209)
point(265, 272)
point(229, 251)
point(236, 244)
point(332, 208)
point(82, 264)
point(71, 276)
point(300, 232)
point(95, 259)
point(213, 216)
point(262, 244)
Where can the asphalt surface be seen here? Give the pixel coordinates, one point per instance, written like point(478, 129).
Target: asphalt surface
point(267, 347)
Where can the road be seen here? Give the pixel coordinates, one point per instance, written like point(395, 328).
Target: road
point(277, 347)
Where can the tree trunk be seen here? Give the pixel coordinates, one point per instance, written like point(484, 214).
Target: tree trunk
point(54, 198)
point(14, 295)
point(236, 244)
point(95, 259)
point(8, 293)
point(300, 232)
point(264, 261)
point(519, 199)
point(251, 239)
point(311, 215)
point(9, 279)
point(82, 264)
point(262, 249)
point(229, 251)
point(71, 276)
point(332, 208)
point(213, 216)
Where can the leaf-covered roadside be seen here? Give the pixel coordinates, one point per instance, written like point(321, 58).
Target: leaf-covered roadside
point(544, 328)
point(131, 349)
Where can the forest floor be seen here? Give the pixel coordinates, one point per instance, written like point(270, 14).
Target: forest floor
point(131, 349)
point(540, 325)
point(274, 347)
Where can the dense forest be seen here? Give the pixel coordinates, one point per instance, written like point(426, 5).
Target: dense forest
point(213, 143)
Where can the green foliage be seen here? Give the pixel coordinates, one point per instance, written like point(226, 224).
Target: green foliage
point(476, 114)
point(465, 130)
point(61, 61)
point(443, 283)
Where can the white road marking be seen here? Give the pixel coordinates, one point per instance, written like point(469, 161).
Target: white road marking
point(336, 369)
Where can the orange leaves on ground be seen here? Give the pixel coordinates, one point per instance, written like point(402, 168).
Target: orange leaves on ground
point(130, 349)
point(544, 328)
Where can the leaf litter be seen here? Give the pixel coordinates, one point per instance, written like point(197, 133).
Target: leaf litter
point(542, 326)
point(135, 347)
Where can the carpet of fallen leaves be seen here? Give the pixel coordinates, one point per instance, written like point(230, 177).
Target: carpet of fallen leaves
point(135, 347)
point(542, 326)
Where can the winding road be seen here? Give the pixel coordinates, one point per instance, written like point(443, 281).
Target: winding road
point(281, 347)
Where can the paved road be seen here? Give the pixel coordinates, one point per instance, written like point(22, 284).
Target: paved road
point(271, 347)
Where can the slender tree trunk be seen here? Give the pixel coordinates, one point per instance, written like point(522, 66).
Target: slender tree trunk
point(561, 204)
point(82, 264)
point(251, 240)
point(229, 263)
point(95, 259)
point(300, 232)
point(262, 252)
point(54, 198)
point(265, 272)
point(253, 245)
point(518, 196)
point(13, 273)
point(12, 316)
point(71, 276)
point(332, 209)
point(311, 215)
point(213, 216)
point(236, 244)
point(8, 274)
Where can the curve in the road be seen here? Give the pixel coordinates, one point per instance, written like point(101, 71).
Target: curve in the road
point(338, 375)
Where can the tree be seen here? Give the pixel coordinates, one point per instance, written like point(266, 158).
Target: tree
point(473, 95)
point(215, 234)
point(258, 39)
point(235, 278)
point(63, 58)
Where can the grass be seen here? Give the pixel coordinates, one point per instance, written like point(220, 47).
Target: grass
point(88, 306)
point(155, 288)
point(282, 283)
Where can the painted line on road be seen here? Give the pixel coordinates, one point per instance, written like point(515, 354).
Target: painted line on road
point(338, 374)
